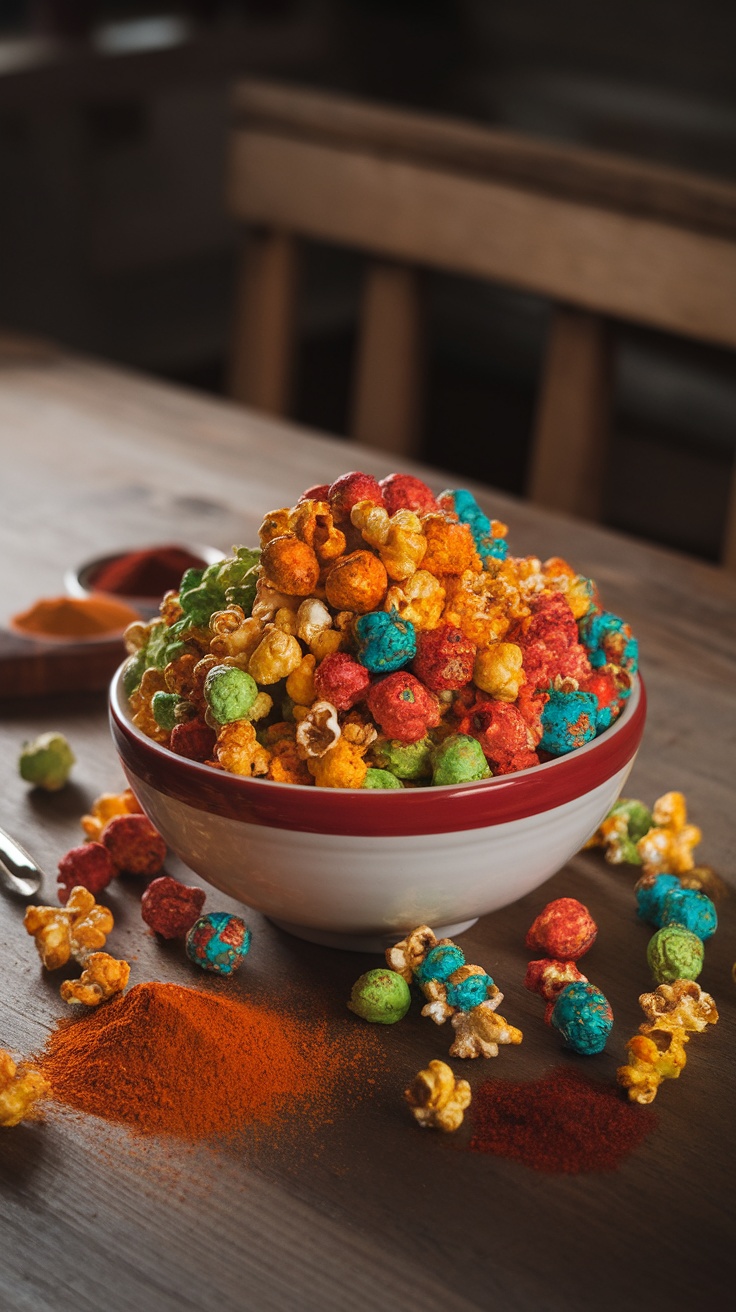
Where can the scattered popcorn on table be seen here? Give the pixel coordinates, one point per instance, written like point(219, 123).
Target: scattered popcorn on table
point(455, 991)
point(105, 807)
point(76, 930)
point(171, 908)
point(548, 978)
point(380, 996)
point(564, 929)
point(583, 1017)
point(437, 1100)
point(662, 900)
point(668, 845)
point(675, 953)
point(218, 942)
point(102, 977)
point(382, 601)
point(657, 1052)
point(20, 1089)
point(88, 866)
point(46, 762)
point(134, 845)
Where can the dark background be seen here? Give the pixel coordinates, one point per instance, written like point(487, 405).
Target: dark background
point(114, 239)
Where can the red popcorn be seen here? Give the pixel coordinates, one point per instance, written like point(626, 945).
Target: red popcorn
point(341, 680)
point(403, 707)
point(135, 846)
point(89, 865)
point(350, 488)
point(549, 641)
point(170, 908)
point(444, 659)
point(565, 929)
point(193, 739)
point(318, 492)
point(503, 734)
point(548, 978)
point(405, 492)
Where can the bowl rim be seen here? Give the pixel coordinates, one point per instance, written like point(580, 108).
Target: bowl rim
point(445, 808)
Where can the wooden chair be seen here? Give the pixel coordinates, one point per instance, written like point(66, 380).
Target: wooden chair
point(603, 238)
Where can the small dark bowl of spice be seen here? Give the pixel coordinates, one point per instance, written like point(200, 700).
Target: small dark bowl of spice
point(139, 576)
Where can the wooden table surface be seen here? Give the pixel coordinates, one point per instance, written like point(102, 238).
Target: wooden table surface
point(369, 1211)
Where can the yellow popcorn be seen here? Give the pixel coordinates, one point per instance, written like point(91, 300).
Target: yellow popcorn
point(20, 1090)
point(437, 1100)
point(498, 670)
point(102, 977)
point(76, 930)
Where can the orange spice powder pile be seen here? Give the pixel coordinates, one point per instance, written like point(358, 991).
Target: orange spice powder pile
point(170, 1060)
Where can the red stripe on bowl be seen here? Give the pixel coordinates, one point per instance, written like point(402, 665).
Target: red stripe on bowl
point(448, 809)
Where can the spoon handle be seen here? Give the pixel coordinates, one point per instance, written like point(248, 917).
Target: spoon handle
point(18, 870)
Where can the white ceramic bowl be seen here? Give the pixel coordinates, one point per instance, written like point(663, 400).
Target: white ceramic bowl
point(358, 868)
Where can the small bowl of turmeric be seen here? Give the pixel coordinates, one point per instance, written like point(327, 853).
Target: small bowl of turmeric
point(73, 619)
point(138, 576)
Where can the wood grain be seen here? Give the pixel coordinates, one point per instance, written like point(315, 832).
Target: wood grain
point(367, 1212)
point(387, 396)
point(594, 176)
point(631, 267)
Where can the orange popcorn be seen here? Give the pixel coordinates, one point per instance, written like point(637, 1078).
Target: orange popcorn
point(290, 565)
point(450, 545)
point(357, 582)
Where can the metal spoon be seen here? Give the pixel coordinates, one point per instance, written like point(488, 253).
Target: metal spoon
point(18, 870)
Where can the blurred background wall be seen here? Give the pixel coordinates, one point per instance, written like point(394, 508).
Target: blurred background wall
point(114, 239)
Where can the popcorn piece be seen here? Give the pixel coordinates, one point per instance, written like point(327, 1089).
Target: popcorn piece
point(583, 1017)
point(102, 977)
point(568, 721)
point(498, 670)
point(350, 488)
point(675, 953)
point(341, 680)
point(105, 807)
point(195, 740)
point(398, 538)
point(380, 996)
point(134, 844)
point(405, 957)
point(681, 1005)
point(88, 866)
point(450, 545)
point(437, 1100)
point(480, 1032)
point(652, 1058)
point(300, 683)
point(405, 492)
point(218, 942)
point(46, 762)
point(419, 600)
point(444, 659)
point(459, 759)
point(20, 1090)
point(75, 931)
point(564, 929)
point(229, 693)
point(341, 766)
point(668, 846)
point(548, 978)
point(626, 823)
point(277, 655)
point(384, 641)
point(503, 735)
point(357, 582)
point(237, 749)
point(170, 908)
point(403, 707)
point(290, 565)
point(318, 731)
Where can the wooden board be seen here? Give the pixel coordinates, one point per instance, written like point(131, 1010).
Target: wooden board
point(34, 668)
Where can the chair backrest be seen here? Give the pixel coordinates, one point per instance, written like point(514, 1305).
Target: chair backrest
point(603, 238)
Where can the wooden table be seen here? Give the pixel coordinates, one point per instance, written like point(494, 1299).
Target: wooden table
point(373, 1213)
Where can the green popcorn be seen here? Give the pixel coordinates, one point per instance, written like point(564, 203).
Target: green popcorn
point(381, 779)
point(133, 671)
point(230, 693)
point(164, 706)
point(380, 996)
point(46, 762)
point(459, 760)
point(405, 760)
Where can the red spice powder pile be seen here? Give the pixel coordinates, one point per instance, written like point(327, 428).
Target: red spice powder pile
point(146, 573)
point(170, 1060)
point(562, 1123)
